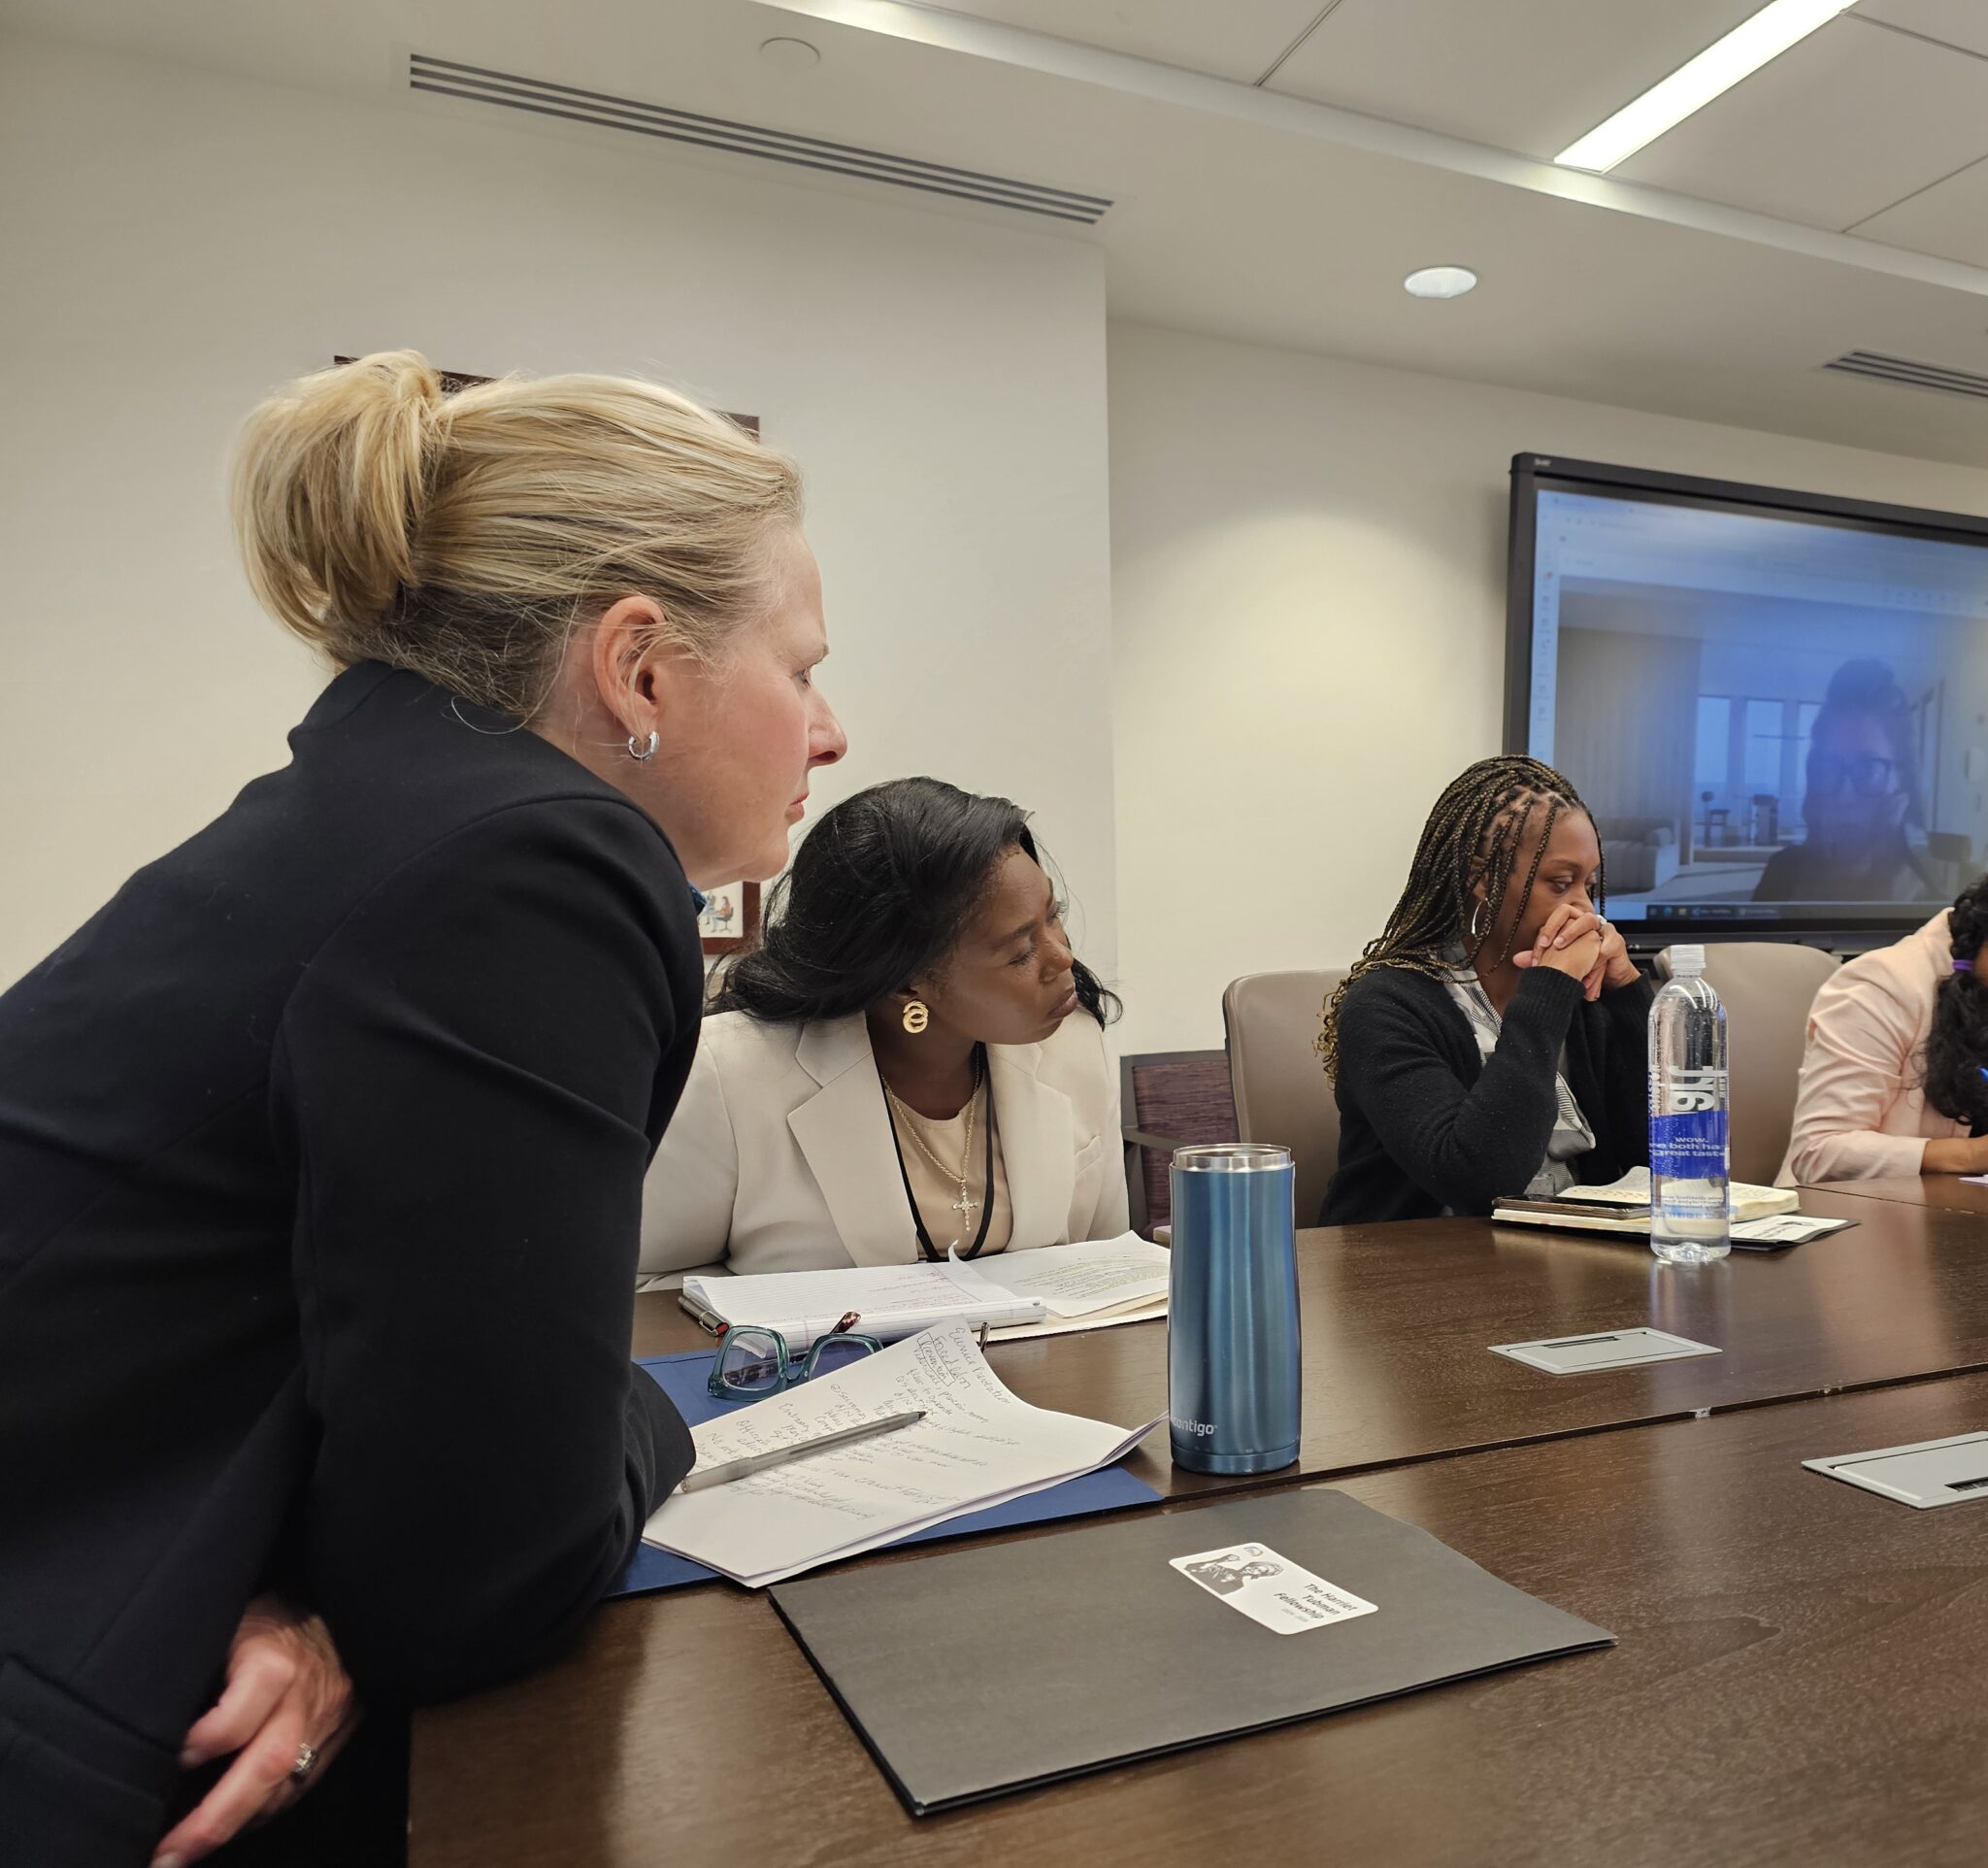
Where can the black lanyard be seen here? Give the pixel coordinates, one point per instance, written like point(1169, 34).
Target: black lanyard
point(926, 1248)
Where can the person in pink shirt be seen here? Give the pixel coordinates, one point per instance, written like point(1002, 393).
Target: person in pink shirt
point(1894, 1072)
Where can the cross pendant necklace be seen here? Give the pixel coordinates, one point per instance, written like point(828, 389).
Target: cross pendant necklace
point(964, 1205)
point(961, 1176)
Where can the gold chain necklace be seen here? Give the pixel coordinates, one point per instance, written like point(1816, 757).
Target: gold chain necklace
point(964, 1205)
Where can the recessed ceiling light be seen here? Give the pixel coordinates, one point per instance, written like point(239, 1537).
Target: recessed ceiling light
point(1751, 44)
point(1441, 282)
point(791, 54)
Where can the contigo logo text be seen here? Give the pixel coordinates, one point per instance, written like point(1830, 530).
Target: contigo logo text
point(1202, 1427)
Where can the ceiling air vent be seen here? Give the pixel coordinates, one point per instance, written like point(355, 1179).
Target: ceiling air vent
point(1919, 375)
point(539, 98)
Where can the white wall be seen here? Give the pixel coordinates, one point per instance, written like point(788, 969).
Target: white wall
point(1308, 562)
point(173, 244)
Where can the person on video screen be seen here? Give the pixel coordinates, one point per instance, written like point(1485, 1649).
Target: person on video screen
point(1863, 791)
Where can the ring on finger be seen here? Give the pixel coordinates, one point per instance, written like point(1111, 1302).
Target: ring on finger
point(307, 1762)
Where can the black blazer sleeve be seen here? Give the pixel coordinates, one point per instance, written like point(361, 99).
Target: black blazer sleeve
point(1462, 1144)
point(465, 1076)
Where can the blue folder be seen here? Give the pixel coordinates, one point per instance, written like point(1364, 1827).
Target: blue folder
point(683, 1378)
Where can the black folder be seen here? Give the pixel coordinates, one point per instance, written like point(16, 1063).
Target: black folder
point(1005, 1666)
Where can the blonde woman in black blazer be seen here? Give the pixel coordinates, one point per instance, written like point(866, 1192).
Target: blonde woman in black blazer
point(321, 1146)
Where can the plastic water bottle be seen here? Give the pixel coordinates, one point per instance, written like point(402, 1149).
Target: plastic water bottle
point(1690, 1218)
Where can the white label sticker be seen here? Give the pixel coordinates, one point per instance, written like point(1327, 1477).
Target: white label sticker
point(1270, 1588)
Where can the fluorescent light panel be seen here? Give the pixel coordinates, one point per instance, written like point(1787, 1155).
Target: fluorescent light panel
point(1751, 44)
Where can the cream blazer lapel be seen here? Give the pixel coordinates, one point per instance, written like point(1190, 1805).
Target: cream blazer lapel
point(1037, 1134)
point(844, 1131)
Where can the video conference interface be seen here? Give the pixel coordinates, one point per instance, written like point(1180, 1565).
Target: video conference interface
point(1771, 717)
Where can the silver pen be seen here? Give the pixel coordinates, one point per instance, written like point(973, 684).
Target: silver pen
point(779, 1455)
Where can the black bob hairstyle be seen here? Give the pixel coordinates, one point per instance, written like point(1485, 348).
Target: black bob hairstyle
point(879, 893)
point(1957, 1044)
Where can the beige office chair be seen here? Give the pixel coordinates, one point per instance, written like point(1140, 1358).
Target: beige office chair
point(1282, 1093)
point(1767, 987)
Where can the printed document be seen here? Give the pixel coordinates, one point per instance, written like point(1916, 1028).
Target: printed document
point(1085, 1278)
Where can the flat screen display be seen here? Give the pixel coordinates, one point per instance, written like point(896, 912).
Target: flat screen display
point(1775, 704)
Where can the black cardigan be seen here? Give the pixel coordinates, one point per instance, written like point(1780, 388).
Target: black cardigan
point(1427, 1123)
point(322, 1157)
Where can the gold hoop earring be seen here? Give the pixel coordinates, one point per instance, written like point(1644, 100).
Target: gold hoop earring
point(917, 1016)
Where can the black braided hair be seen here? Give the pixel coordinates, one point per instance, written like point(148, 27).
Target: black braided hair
point(1474, 834)
point(1956, 1043)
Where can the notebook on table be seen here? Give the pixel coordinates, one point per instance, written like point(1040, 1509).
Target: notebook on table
point(1761, 1218)
point(1050, 1288)
point(1151, 1635)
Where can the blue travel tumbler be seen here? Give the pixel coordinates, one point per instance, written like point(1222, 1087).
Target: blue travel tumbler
point(1233, 1358)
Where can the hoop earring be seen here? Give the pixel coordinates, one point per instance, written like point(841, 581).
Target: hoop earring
point(640, 752)
point(917, 1016)
point(1477, 933)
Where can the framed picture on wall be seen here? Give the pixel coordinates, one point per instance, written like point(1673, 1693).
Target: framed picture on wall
point(730, 919)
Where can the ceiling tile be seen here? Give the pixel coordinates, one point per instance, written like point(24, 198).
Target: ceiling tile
point(1958, 23)
point(1238, 39)
point(1843, 125)
point(1525, 75)
point(1949, 219)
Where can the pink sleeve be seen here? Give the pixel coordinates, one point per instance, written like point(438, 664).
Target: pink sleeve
point(1862, 1044)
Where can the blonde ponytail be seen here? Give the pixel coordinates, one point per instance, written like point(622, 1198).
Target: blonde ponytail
point(465, 536)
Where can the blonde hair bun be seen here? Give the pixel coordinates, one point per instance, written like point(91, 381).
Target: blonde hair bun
point(465, 536)
point(329, 493)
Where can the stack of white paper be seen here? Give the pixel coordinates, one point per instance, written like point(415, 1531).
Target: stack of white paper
point(977, 1446)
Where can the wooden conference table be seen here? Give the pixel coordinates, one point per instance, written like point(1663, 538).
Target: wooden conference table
point(1947, 1192)
point(1799, 1662)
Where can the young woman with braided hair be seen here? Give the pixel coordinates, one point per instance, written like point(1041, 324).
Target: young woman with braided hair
point(1492, 1040)
point(1898, 1039)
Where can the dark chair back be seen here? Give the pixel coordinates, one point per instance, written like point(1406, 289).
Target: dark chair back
point(1169, 1099)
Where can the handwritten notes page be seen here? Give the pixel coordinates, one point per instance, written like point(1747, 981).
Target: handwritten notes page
point(977, 1446)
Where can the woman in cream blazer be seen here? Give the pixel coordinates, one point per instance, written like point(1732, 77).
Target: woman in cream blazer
point(912, 1060)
